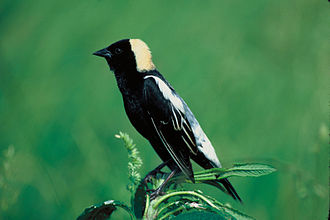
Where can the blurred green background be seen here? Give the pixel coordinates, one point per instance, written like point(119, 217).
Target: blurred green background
point(255, 73)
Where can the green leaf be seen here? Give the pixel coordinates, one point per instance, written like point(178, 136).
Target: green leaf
point(250, 170)
point(191, 200)
point(139, 200)
point(103, 210)
point(237, 215)
point(178, 204)
point(230, 211)
point(242, 170)
point(200, 215)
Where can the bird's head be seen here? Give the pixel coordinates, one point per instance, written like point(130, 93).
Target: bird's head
point(128, 54)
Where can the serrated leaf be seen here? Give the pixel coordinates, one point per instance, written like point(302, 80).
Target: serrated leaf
point(139, 200)
point(230, 211)
point(250, 170)
point(236, 214)
point(200, 215)
point(242, 170)
point(226, 211)
point(103, 210)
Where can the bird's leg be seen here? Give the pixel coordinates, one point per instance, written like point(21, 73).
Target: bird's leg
point(154, 172)
point(159, 190)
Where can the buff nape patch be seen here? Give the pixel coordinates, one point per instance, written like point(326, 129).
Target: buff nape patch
point(142, 54)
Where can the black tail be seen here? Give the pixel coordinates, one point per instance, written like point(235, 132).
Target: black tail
point(222, 184)
point(225, 186)
point(230, 189)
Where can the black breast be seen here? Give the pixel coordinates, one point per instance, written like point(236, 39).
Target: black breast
point(131, 88)
point(132, 92)
point(136, 114)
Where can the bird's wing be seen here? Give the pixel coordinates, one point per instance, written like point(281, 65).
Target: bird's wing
point(166, 111)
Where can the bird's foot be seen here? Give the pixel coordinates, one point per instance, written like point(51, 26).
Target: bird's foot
point(148, 179)
point(156, 193)
point(152, 174)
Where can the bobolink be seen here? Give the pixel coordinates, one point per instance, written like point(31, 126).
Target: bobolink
point(158, 113)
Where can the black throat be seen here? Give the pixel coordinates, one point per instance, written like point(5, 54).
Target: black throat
point(129, 82)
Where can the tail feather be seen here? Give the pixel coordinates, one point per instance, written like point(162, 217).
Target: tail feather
point(230, 189)
point(216, 184)
point(222, 184)
point(225, 186)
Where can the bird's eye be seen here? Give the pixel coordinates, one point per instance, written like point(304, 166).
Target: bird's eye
point(118, 51)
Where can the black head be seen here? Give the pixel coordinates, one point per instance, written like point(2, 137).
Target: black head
point(128, 54)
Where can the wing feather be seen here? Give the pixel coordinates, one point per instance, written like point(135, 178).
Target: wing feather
point(164, 105)
point(183, 167)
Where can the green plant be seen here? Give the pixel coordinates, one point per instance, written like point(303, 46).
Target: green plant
point(176, 202)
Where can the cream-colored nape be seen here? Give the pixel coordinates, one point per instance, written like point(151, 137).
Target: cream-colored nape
point(142, 54)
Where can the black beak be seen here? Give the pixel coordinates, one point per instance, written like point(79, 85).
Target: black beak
point(103, 53)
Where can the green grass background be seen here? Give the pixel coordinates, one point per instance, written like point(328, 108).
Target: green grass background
point(255, 74)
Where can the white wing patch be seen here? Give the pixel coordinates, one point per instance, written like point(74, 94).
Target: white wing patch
point(142, 54)
point(204, 145)
point(167, 93)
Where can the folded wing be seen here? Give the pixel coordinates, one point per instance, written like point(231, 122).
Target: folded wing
point(166, 112)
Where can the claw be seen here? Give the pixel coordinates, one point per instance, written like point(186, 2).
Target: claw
point(154, 172)
point(148, 179)
point(156, 193)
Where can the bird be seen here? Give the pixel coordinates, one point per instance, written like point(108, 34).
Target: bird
point(159, 114)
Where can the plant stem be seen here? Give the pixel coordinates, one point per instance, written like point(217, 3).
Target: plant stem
point(170, 213)
point(146, 206)
point(166, 207)
point(184, 193)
